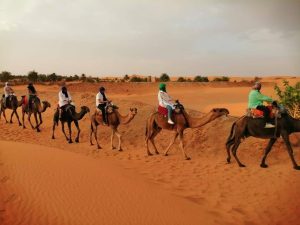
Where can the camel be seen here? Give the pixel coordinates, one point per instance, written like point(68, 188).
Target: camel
point(247, 126)
point(13, 104)
point(114, 119)
point(156, 122)
point(37, 109)
point(69, 116)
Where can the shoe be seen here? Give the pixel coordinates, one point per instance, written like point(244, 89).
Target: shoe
point(170, 121)
point(269, 125)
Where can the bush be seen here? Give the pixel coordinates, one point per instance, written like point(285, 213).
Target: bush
point(181, 79)
point(221, 79)
point(52, 77)
point(126, 78)
point(32, 76)
point(290, 98)
point(164, 78)
point(138, 79)
point(5, 76)
point(200, 79)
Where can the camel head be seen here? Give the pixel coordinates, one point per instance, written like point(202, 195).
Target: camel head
point(46, 104)
point(133, 111)
point(178, 107)
point(217, 112)
point(85, 109)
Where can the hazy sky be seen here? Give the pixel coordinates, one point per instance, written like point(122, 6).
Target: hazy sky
point(117, 37)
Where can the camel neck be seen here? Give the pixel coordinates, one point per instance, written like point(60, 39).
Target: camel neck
point(195, 122)
point(124, 119)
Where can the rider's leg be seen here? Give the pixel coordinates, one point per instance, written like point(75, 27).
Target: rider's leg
point(169, 108)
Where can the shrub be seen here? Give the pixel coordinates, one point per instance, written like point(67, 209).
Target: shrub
point(138, 79)
point(290, 98)
point(181, 79)
point(126, 78)
point(200, 79)
point(164, 78)
point(221, 79)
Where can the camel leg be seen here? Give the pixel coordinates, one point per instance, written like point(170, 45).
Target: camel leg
point(120, 140)
point(234, 150)
point(23, 115)
point(29, 116)
point(63, 130)
point(17, 115)
point(4, 115)
point(228, 146)
point(154, 134)
point(290, 150)
point(53, 129)
point(91, 133)
point(40, 118)
point(36, 122)
point(78, 130)
point(112, 138)
point(70, 132)
point(11, 116)
point(96, 138)
point(267, 151)
point(182, 146)
point(171, 143)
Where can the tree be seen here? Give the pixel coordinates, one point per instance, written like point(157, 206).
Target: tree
point(137, 79)
point(83, 77)
point(32, 76)
point(290, 98)
point(200, 79)
point(53, 77)
point(126, 77)
point(164, 78)
point(221, 79)
point(5, 76)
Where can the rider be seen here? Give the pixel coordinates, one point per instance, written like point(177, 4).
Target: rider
point(8, 92)
point(101, 103)
point(256, 100)
point(64, 98)
point(32, 94)
point(164, 100)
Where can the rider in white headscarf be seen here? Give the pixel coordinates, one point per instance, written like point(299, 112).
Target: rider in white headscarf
point(8, 91)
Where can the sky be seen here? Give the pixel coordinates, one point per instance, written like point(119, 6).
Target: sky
point(150, 37)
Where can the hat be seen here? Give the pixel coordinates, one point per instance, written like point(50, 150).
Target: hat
point(102, 89)
point(162, 86)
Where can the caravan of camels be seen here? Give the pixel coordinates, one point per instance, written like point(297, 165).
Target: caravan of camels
point(170, 115)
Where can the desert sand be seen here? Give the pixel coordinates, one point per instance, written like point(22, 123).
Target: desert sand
point(45, 181)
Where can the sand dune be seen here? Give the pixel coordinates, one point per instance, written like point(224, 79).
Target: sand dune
point(204, 189)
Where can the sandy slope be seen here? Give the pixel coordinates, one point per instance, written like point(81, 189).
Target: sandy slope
point(230, 194)
point(48, 186)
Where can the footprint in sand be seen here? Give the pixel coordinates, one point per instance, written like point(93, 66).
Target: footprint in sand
point(4, 179)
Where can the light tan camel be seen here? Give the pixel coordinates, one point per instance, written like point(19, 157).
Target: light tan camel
point(114, 119)
point(156, 122)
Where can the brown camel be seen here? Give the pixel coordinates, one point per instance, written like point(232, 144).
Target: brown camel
point(69, 115)
point(12, 104)
point(114, 119)
point(247, 126)
point(36, 109)
point(156, 122)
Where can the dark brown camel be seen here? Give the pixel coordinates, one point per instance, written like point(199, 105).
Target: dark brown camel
point(69, 116)
point(156, 122)
point(246, 126)
point(114, 119)
point(36, 109)
point(12, 104)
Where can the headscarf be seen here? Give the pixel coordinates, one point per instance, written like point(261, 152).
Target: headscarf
point(102, 91)
point(31, 88)
point(65, 91)
point(257, 86)
point(162, 87)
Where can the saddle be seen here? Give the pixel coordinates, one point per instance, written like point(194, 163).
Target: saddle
point(256, 113)
point(109, 109)
point(178, 108)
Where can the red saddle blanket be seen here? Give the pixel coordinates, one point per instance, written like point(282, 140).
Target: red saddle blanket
point(162, 110)
point(256, 113)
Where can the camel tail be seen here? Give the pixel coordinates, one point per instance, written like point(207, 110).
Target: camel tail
point(231, 135)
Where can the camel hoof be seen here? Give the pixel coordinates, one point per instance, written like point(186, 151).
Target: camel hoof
point(20, 124)
point(53, 137)
point(92, 144)
point(242, 165)
point(228, 160)
point(70, 142)
point(297, 167)
point(157, 153)
point(263, 165)
point(77, 140)
point(166, 154)
point(10, 122)
point(149, 154)
point(120, 150)
point(38, 130)
point(113, 148)
point(188, 158)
